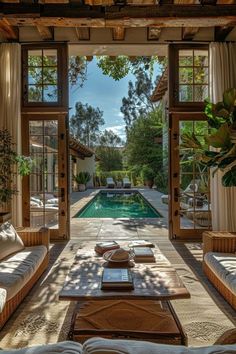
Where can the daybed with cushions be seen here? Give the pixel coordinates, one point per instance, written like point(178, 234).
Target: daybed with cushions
point(109, 346)
point(219, 262)
point(23, 258)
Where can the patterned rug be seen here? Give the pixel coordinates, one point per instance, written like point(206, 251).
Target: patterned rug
point(42, 318)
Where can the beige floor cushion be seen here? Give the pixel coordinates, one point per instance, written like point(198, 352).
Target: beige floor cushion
point(224, 266)
point(62, 347)
point(104, 346)
point(3, 298)
point(18, 268)
point(10, 242)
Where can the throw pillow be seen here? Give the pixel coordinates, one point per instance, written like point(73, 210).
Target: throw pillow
point(10, 242)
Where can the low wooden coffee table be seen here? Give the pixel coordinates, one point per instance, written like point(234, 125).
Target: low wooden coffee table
point(115, 313)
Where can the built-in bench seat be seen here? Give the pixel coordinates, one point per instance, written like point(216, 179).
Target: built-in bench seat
point(219, 262)
point(23, 258)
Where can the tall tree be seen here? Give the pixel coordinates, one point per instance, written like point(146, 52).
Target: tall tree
point(142, 147)
point(85, 123)
point(138, 102)
point(109, 151)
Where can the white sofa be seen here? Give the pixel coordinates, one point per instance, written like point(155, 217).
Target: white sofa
point(23, 258)
point(110, 346)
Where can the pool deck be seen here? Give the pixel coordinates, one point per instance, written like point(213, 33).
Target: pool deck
point(108, 228)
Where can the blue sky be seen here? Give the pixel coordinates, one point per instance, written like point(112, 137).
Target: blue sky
point(104, 92)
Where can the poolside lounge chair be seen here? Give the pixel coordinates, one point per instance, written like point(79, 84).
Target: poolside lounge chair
point(110, 182)
point(126, 182)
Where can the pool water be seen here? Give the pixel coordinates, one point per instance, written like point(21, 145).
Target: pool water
point(118, 205)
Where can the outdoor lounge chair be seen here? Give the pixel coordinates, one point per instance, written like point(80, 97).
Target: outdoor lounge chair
point(110, 182)
point(126, 182)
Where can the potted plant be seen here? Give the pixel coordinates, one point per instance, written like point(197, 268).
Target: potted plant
point(82, 179)
point(222, 138)
point(148, 176)
point(9, 160)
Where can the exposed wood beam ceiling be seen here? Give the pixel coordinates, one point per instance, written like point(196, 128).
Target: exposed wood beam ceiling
point(188, 33)
point(8, 32)
point(46, 33)
point(118, 33)
point(83, 33)
point(61, 15)
point(222, 32)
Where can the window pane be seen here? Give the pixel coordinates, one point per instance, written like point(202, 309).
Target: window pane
point(51, 163)
point(35, 76)
point(34, 93)
point(50, 76)
point(201, 58)
point(185, 75)
point(185, 57)
point(49, 57)
point(186, 93)
point(36, 127)
point(50, 93)
point(35, 57)
point(36, 144)
point(50, 143)
point(200, 93)
point(50, 127)
point(201, 75)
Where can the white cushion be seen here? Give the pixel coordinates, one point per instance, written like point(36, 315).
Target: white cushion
point(3, 298)
point(62, 347)
point(108, 346)
point(224, 266)
point(10, 242)
point(17, 269)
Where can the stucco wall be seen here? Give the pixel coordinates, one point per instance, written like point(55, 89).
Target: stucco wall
point(88, 165)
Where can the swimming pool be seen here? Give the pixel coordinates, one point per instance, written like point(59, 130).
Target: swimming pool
point(118, 205)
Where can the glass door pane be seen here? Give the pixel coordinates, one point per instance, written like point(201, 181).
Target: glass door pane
point(190, 190)
point(44, 189)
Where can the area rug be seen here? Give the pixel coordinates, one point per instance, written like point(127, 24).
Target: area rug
point(42, 318)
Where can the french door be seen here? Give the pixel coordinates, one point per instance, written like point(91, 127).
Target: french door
point(45, 201)
point(190, 210)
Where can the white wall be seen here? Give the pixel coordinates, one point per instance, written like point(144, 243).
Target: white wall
point(88, 165)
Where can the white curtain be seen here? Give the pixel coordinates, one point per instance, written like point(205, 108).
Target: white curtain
point(10, 108)
point(222, 77)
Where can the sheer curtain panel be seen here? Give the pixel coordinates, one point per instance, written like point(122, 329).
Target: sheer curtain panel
point(10, 109)
point(222, 77)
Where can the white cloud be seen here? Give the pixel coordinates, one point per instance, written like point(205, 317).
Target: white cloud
point(119, 130)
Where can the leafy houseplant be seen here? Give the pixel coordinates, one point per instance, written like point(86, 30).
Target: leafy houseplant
point(82, 179)
point(221, 118)
point(9, 160)
point(148, 175)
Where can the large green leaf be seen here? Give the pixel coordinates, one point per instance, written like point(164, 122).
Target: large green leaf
point(189, 140)
point(220, 139)
point(229, 178)
point(229, 98)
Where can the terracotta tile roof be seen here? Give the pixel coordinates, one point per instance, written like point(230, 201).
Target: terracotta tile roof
point(161, 87)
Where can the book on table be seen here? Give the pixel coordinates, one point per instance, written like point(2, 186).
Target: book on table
point(117, 278)
point(102, 247)
point(143, 255)
point(141, 243)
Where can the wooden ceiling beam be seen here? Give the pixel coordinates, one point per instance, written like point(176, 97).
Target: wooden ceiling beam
point(118, 33)
point(8, 32)
point(208, 2)
point(83, 33)
point(153, 33)
point(188, 33)
point(115, 16)
point(222, 32)
point(46, 33)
